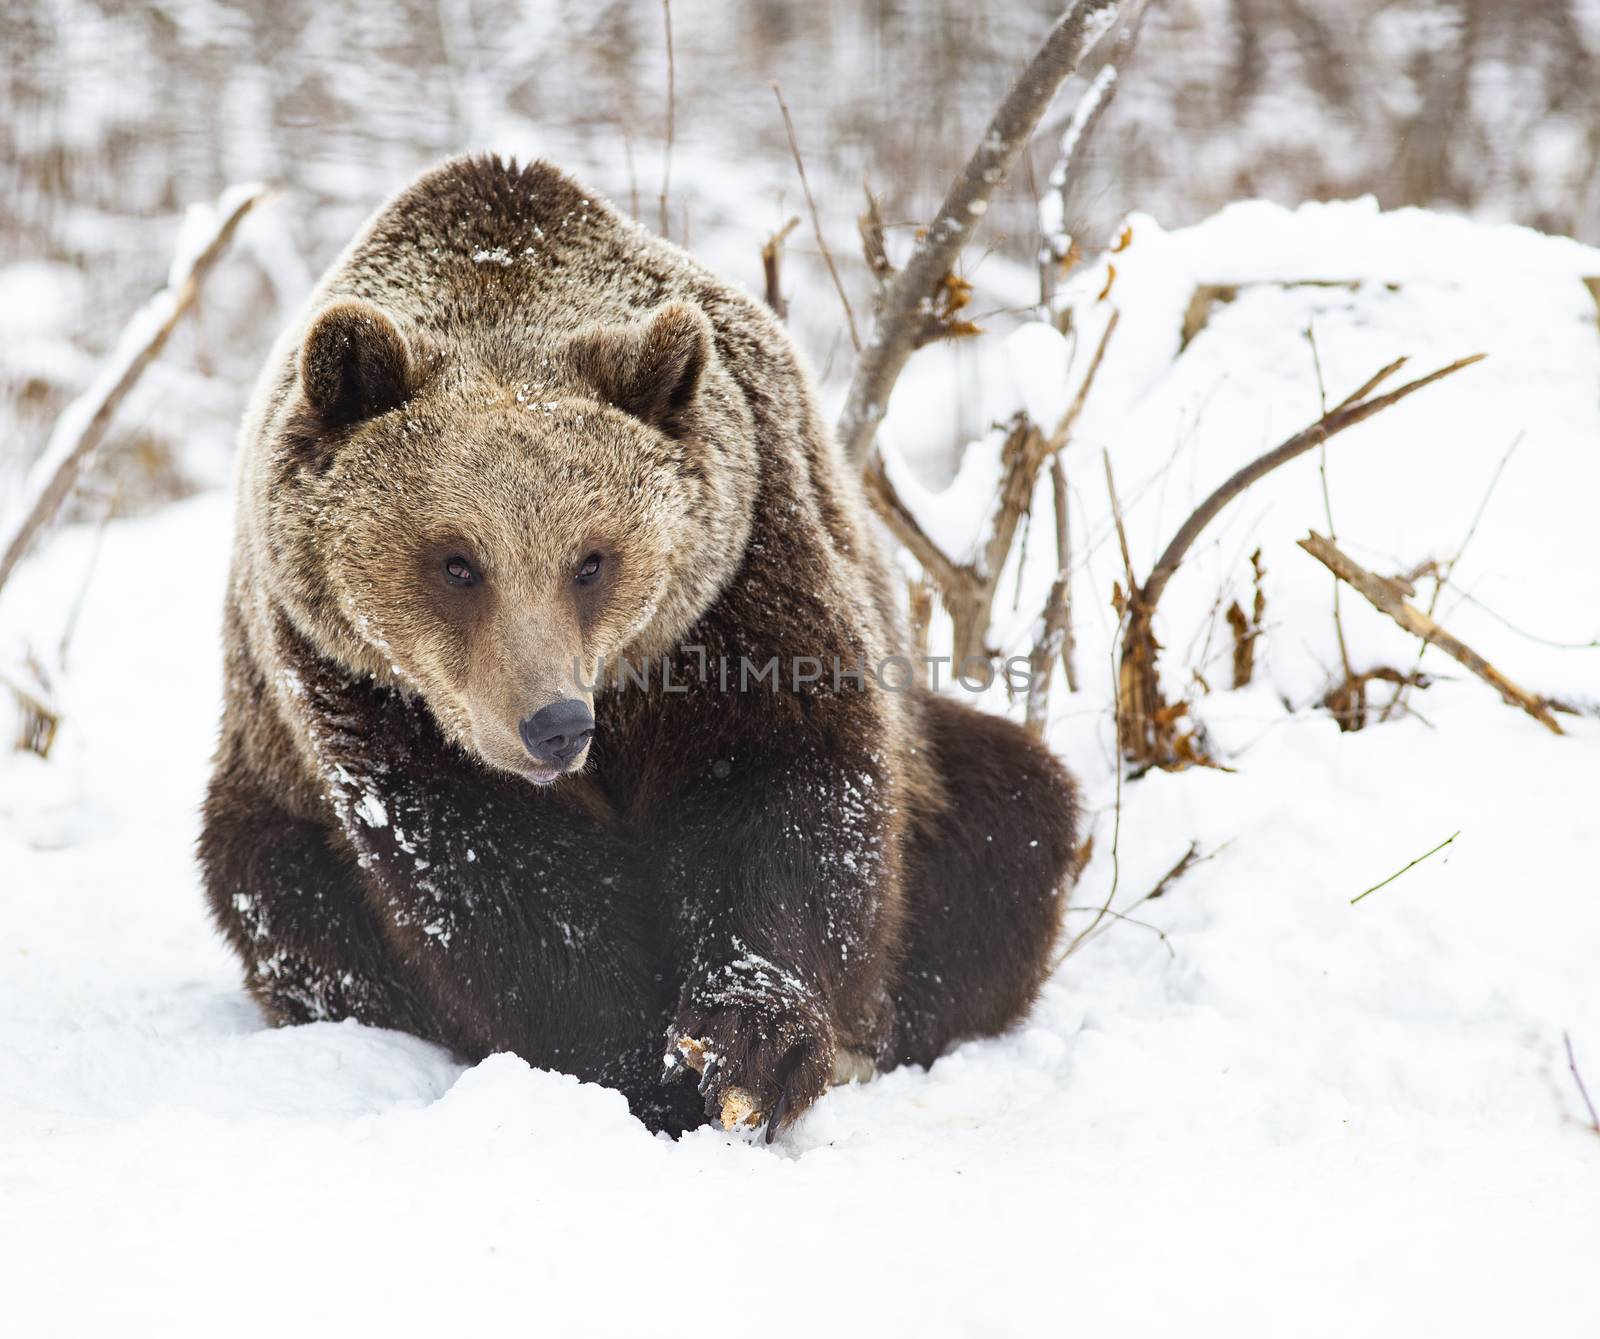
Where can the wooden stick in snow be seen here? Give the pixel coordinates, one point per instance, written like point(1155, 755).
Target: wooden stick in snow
point(82, 425)
point(1055, 636)
point(1384, 595)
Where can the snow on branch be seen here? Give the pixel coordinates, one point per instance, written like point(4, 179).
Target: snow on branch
point(968, 589)
point(1053, 206)
point(204, 236)
point(1057, 250)
point(907, 315)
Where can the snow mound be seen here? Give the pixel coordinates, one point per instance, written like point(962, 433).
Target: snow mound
point(1252, 1107)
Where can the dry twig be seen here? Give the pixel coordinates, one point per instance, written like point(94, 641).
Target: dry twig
point(75, 610)
point(1247, 627)
point(772, 268)
point(40, 717)
point(1104, 909)
point(816, 223)
point(1346, 415)
point(1187, 861)
point(672, 110)
point(1441, 572)
point(1577, 1078)
point(1385, 596)
point(1404, 868)
point(1055, 636)
point(1327, 508)
point(1346, 701)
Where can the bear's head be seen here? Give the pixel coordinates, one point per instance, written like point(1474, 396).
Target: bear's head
point(490, 543)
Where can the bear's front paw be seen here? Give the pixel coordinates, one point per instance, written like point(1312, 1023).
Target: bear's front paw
point(756, 1066)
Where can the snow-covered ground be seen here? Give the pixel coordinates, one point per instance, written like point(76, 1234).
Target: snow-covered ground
point(1258, 1109)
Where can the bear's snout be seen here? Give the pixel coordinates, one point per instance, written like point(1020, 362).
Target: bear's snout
point(558, 733)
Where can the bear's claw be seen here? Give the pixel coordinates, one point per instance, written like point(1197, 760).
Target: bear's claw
point(756, 1068)
point(736, 1107)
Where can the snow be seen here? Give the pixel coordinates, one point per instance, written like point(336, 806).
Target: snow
point(1253, 1108)
point(201, 224)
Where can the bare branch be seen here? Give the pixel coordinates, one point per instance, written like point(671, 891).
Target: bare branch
point(1327, 504)
point(903, 315)
point(1116, 826)
point(951, 578)
point(1187, 861)
point(672, 107)
point(816, 224)
point(1116, 517)
point(1443, 571)
point(1347, 415)
point(1577, 1078)
point(968, 590)
point(1058, 497)
point(1385, 596)
point(1069, 420)
point(1148, 722)
point(1055, 637)
point(75, 611)
point(1056, 246)
point(1372, 383)
point(83, 424)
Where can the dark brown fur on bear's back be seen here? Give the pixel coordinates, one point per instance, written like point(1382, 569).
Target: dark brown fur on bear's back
point(786, 876)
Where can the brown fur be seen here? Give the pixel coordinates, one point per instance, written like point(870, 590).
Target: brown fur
point(500, 368)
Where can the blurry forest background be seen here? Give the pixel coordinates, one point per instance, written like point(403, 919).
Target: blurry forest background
point(114, 116)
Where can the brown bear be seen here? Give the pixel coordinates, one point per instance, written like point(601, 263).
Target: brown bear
point(557, 718)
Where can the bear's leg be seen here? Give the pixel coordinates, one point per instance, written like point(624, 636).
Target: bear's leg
point(289, 903)
point(287, 895)
point(987, 868)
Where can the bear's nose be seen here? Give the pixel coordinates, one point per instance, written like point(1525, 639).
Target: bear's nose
point(557, 733)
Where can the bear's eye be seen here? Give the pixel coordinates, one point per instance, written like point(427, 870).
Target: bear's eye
point(459, 572)
point(589, 569)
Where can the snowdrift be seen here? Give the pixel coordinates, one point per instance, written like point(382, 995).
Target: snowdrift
point(1251, 1107)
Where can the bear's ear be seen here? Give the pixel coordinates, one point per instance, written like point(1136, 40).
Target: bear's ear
point(354, 364)
point(651, 371)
